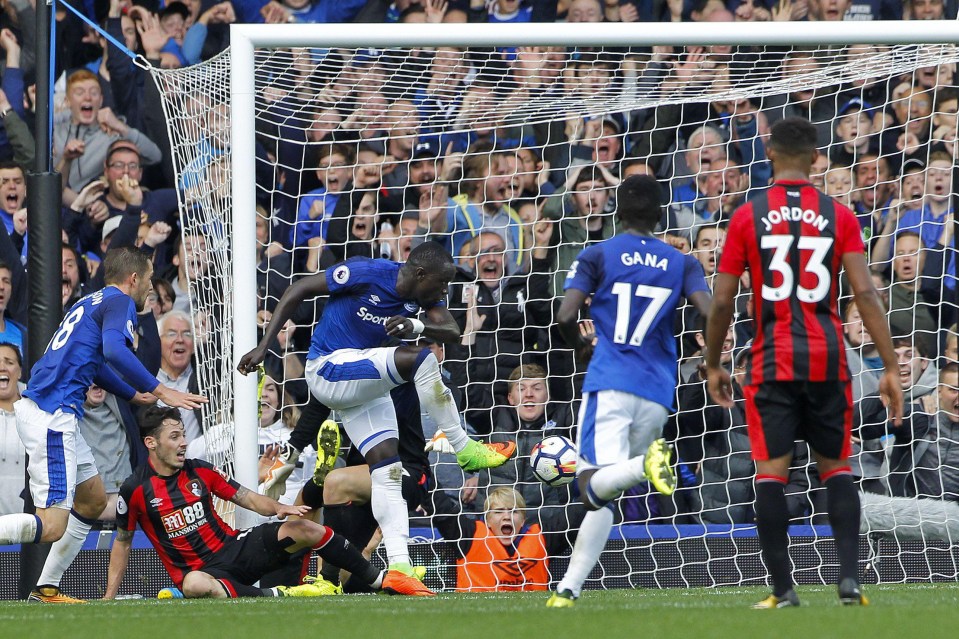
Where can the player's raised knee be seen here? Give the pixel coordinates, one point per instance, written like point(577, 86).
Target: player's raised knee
point(198, 584)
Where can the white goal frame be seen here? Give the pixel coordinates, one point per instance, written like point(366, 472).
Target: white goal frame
point(245, 38)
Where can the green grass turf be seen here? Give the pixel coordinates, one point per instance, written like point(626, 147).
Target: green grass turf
point(923, 611)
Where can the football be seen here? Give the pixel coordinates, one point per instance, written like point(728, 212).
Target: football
point(553, 460)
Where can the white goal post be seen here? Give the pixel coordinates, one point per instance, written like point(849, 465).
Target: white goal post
point(236, 77)
point(244, 39)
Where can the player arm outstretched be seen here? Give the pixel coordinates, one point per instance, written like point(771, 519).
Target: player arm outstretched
point(439, 326)
point(312, 286)
point(720, 315)
point(127, 367)
point(874, 318)
point(119, 559)
point(263, 505)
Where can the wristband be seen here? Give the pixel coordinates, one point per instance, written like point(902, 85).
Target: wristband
point(417, 326)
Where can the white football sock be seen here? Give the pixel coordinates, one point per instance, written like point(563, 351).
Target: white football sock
point(64, 551)
point(19, 528)
point(438, 402)
point(390, 511)
point(609, 482)
point(590, 542)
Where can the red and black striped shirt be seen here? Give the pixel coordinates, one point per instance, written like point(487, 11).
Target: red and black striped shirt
point(792, 238)
point(176, 513)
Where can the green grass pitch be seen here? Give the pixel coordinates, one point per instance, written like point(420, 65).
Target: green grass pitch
point(921, 611)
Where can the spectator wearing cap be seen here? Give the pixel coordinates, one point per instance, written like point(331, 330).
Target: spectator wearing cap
point(854, 133)
point(419, 174)
point(82, 134)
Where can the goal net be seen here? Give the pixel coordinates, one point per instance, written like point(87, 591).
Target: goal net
point(294, 152)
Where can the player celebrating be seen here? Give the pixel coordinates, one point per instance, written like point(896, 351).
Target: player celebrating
point(92, 344)
point(348, 371)
point(794, 240)
point(171, 498)
point(636, 282)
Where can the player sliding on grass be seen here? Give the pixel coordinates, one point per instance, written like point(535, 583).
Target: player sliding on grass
point(795, 241)
point(92, 344)
point(349, 371)
point(636, 283)
point(171, 499)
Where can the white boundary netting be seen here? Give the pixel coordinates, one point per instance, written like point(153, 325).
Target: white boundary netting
point(344, 122)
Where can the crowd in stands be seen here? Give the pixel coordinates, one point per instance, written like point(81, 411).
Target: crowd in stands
point(398, 149)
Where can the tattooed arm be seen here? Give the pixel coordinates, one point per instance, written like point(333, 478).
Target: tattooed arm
point(263, 505)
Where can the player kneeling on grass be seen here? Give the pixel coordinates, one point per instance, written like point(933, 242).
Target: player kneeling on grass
point(171, 498)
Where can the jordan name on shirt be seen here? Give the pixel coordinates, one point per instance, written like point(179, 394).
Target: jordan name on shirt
point(794, 214)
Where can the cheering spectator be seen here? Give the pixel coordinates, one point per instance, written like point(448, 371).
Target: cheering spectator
point(82, 135)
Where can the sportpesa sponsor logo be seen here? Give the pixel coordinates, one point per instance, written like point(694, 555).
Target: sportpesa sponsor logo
point(364, 314)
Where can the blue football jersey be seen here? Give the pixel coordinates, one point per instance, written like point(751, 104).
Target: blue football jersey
point(636, 283)
point(362, 298)
point(74, 356)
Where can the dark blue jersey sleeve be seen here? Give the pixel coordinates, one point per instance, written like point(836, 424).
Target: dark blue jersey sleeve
point(694, 279)
point(118, 327)
point(108, 380)
point(349, 276)
point(585, 272)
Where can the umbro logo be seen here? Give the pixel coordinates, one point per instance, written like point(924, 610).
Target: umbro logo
point(411, 307)
point(156, 502)
point(374, 299)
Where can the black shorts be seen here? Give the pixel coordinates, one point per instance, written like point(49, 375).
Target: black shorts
point(250, 555)
point(779, 413)
point(416, 486)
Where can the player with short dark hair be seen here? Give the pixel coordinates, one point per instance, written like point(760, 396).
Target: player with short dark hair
point(349, 370)
point(636, 282)
point(795, 240)
point(92, 345)
point(171, 499)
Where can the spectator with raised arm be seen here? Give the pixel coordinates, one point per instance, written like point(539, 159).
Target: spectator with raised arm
point(82, 135)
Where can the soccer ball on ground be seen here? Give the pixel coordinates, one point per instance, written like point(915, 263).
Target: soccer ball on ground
point(553, 460)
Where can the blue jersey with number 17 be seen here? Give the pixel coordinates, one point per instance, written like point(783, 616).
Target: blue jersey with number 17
point(636, 282)
point(74, 356)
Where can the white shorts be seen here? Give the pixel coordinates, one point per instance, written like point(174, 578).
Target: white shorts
point(60, 459)
point(356, 384)
point(615, 426)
